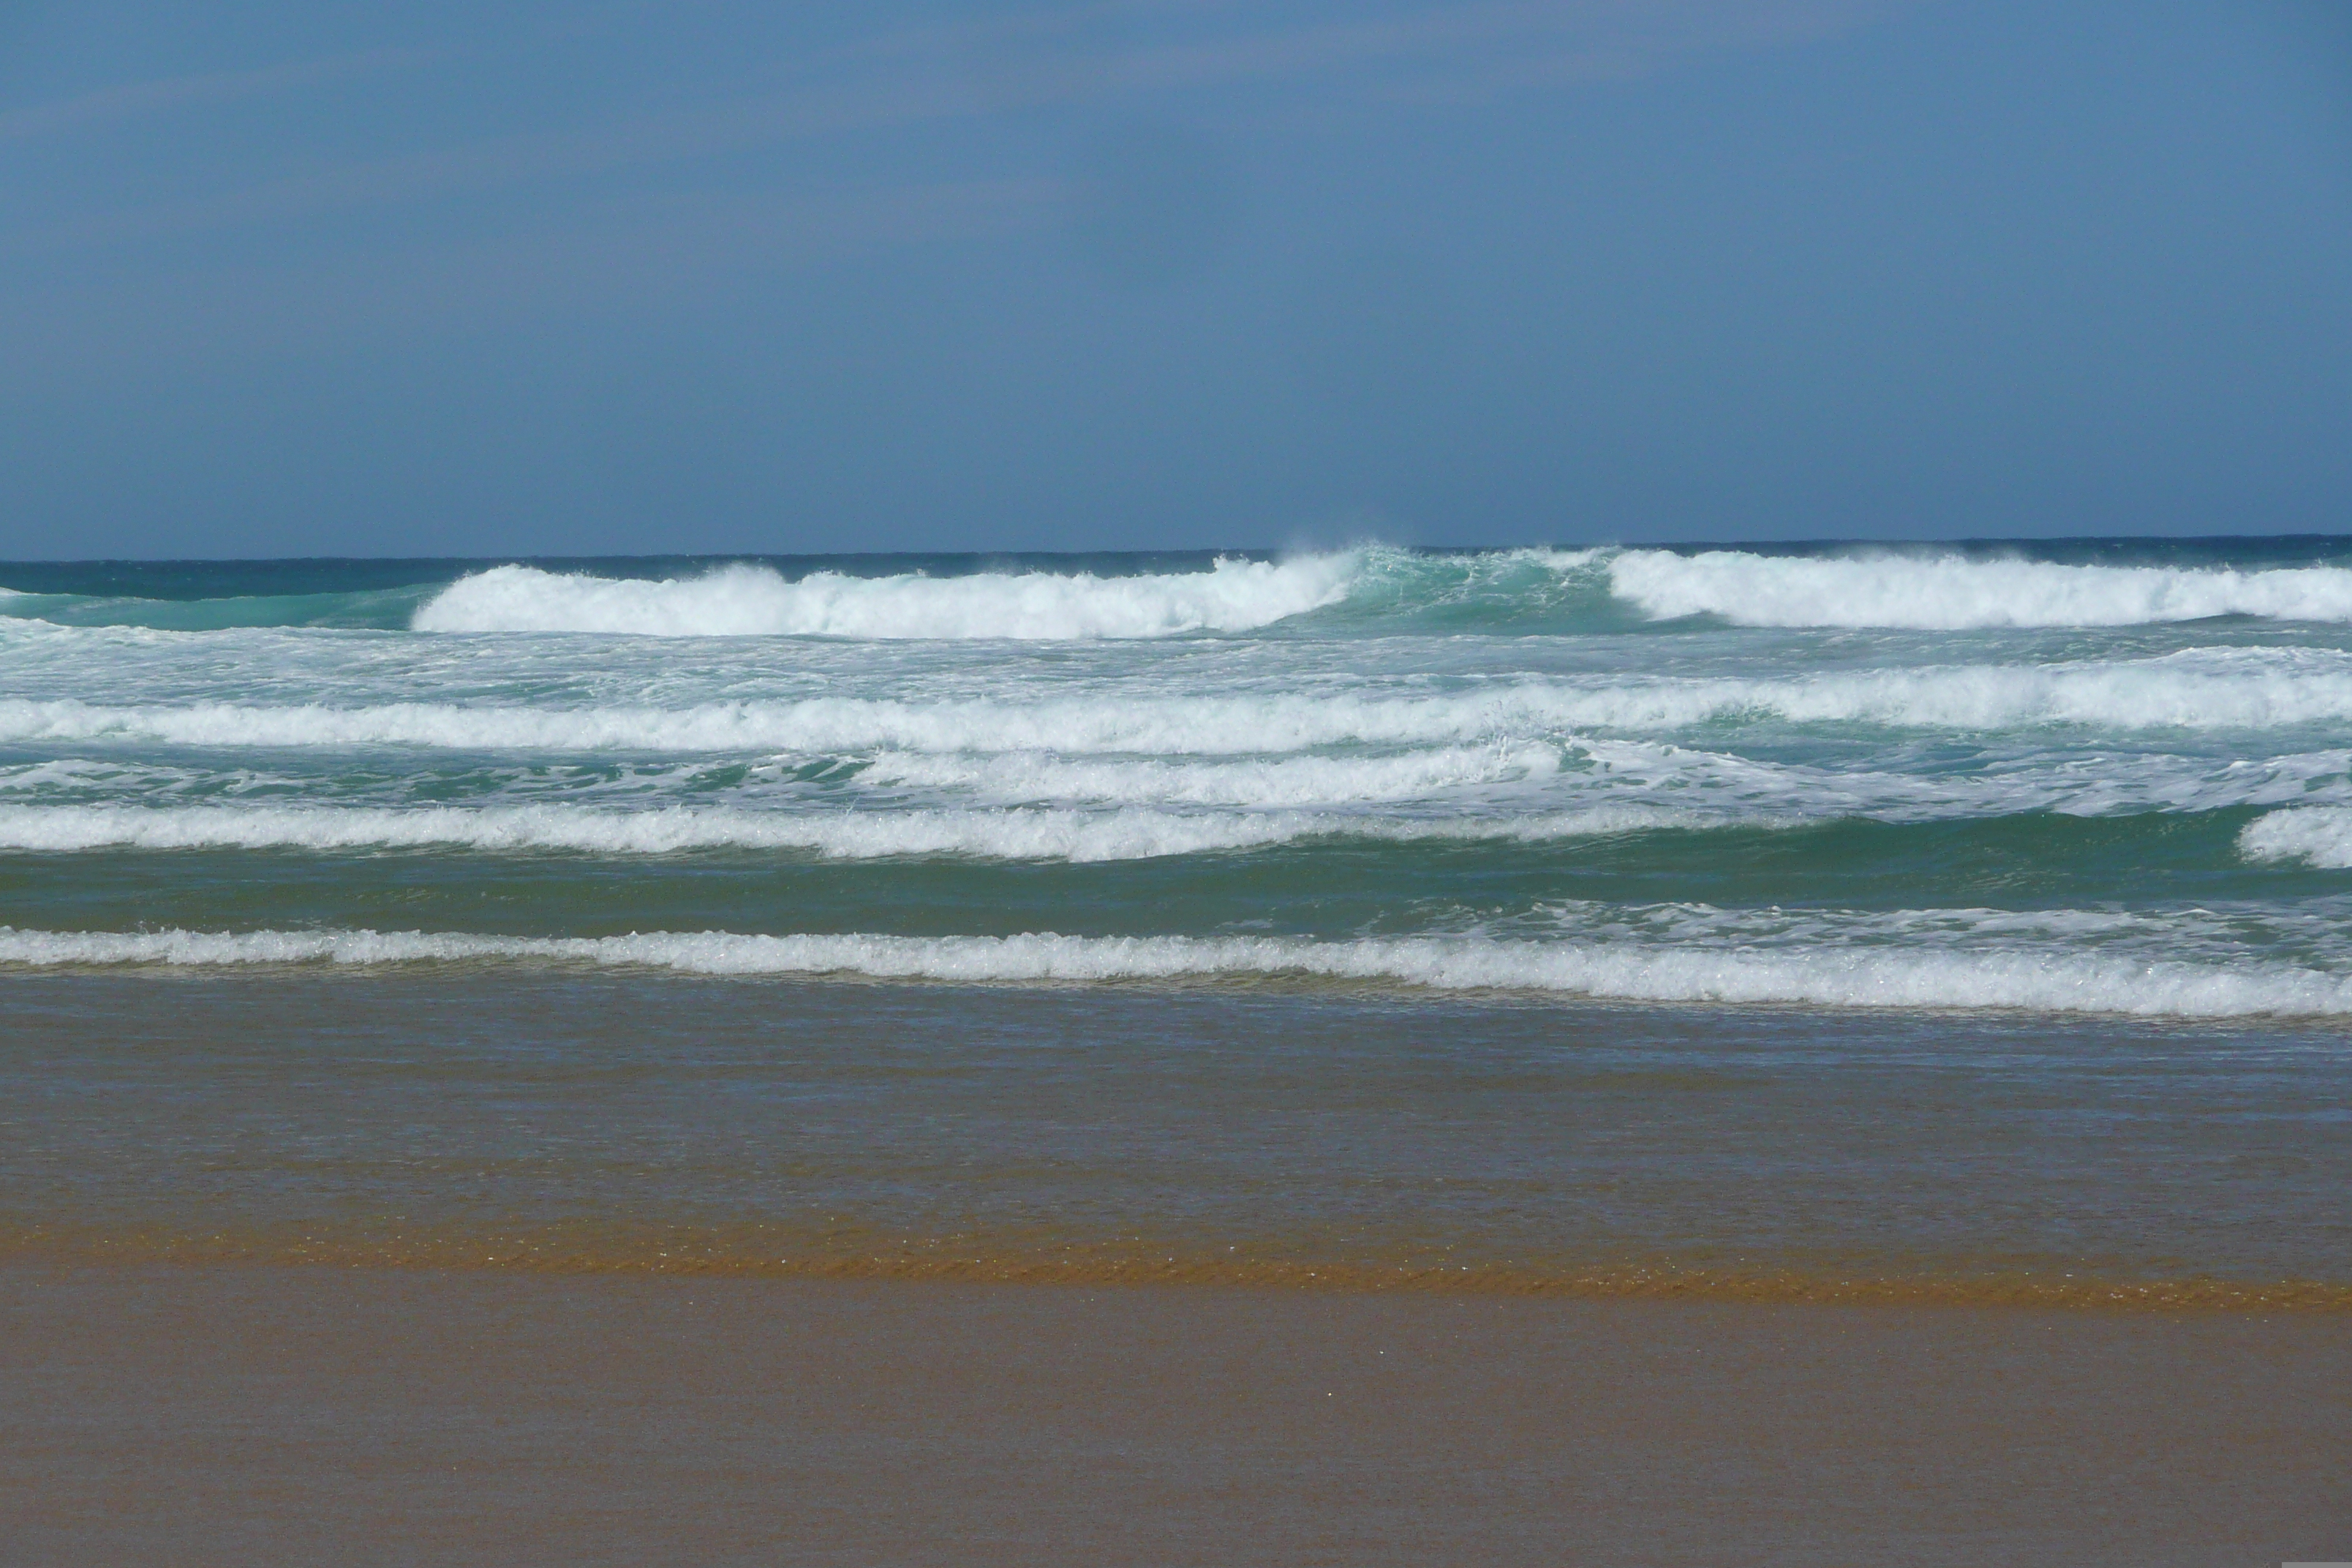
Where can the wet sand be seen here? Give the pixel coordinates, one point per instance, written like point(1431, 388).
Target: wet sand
point(237, 1415)
point(602, 1122)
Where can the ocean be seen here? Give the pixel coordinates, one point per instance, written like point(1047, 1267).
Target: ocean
point(1760, 918)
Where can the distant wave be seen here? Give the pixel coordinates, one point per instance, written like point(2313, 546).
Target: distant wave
point(1916, 592)
point(1007, 833)
point(1952, 593)
point(375, 609)
point(2037, 978)
point(1368, 588)
point(755, 601)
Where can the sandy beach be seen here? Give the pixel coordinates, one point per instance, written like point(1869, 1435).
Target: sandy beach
point(1434, 782)
point(507, 1269)
point(234, 1414)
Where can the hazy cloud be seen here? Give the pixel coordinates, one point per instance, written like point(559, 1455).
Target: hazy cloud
point(1118, 55)
point(1146, 272)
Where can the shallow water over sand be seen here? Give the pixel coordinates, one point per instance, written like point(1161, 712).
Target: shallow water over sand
point(237, 1415)
point(1350, 1138)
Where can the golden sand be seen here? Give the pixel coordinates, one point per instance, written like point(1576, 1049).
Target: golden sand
point(236, 1414)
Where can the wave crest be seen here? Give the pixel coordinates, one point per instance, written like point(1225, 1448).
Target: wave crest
point(2252, 689)
point(1008, 834)
point(2319, 836)
point(2035, 980)
point(1371, 587)
point(756, 601)
point(1923, 593)
point(1953, 593)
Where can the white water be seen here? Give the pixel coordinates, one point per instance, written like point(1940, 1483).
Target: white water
point(1030, 805)
point(1909, 590)
point(1514, 698)
point(755, 601)
point(2037, 977)
point(2318, 836)
point(1017, 834)
point(2197, 689)
point(1953, 594)
point(1928, 593)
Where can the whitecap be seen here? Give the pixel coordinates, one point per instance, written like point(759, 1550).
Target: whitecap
point(756, 601)
point(1007, 833)
point(1953, 593)
point(2319, 836)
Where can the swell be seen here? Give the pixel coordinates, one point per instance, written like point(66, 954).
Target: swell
point(385, 609)
point(1636, 886)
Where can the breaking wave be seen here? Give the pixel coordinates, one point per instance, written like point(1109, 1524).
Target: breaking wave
point(1955, 593)
point(2319, 836)
point(2037, 978)
point(1914, 592)
point(1368, 589)
point(1014, 834)
point(756, 601)
point(2201, 690)
point(1371, 587)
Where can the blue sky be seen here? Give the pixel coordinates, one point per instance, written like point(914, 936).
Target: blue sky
point(358, 280)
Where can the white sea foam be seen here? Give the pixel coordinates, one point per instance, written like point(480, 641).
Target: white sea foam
point(1296, 781)
point(81, 773)
point(2320, 835)
point(1137, 723)
point(2207, 689)
point(2233, 688)
point(1497, 588)
point(1016, 834)
point(1024, 805)
point(2038, 980)
point(1951, 592)
point(754, 601)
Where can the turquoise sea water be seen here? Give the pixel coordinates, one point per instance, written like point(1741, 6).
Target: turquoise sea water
point(2095, 775)
point(1960, 923)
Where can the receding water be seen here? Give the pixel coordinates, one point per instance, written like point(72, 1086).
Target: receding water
point(611, 1122)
